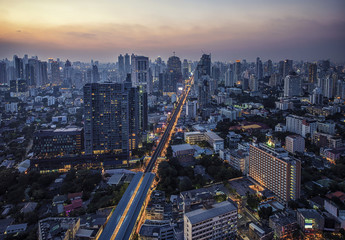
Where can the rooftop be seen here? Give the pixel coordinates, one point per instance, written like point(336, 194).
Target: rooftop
point(181, 147)
point(216, 210)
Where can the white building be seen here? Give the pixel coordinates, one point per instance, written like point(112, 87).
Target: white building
point(300, 125)
point(292, 86)
point(294, 143)
point(191, 109)
point(214, 140)
point(217, 222)
point(11, 107)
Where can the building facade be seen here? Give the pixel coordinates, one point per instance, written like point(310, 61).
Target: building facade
point(275, 170)
point(217, 222)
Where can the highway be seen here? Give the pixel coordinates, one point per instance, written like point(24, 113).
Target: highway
point(124, 219)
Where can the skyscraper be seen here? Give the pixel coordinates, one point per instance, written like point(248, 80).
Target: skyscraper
point(106, 123)
point(259, 69)
point(68, 71)
point(204, 96)
point(3, 73)
point(55, 73)
point(204, 65)
point(95, 74)
point(18, 67)
point(292, 85)
point(141, 79)
point(274, 169)
point(172, 75)
point(127, 64)
point(121, 63)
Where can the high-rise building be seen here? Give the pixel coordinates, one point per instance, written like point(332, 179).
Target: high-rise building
point(219, 221)
point(312, 73)
point(3, 73)
point(174, 66)
point(106, 123)
point(285, 67)
point(259, 69)
point(18, 67)
point(185, 69)
point(274, 169)
point(127, 64)
point(292, 85)
point(43, 72)
point(121, 63)
point(294, 143)
point(204, 66)
point(95, 74)
point(141, 79)
point(204, 96)
point(55, 73)
point(67, 72)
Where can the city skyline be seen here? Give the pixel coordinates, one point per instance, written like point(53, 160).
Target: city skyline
point(83, 31)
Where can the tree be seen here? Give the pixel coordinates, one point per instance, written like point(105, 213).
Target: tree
point(265, 212)
point(252, 201)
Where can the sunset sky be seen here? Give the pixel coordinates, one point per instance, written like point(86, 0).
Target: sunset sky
point(229, 30)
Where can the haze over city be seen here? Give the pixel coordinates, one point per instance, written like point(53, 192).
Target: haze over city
point(230, 30)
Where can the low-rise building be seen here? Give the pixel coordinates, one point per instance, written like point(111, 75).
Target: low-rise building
point(310, 220)
point(184, 153)
point(58, 228)
point(214, 140)
point(283, 224)
point(194, 137)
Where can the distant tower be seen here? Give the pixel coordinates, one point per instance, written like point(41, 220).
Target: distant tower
point(127, 64)
point(121, 66)
point(259, 70)
point(55, 73)
point(3, 73)
point(95, 74)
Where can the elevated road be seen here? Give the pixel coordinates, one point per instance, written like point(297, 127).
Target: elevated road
point(123, 220)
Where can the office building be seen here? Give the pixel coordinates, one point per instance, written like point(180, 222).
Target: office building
point(275, 170)
point(294, 143)
point(218, 221)
point(58, 142)
point(292, 85)
point(106, 123)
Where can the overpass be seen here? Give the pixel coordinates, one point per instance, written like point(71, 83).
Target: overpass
point(125, 217)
